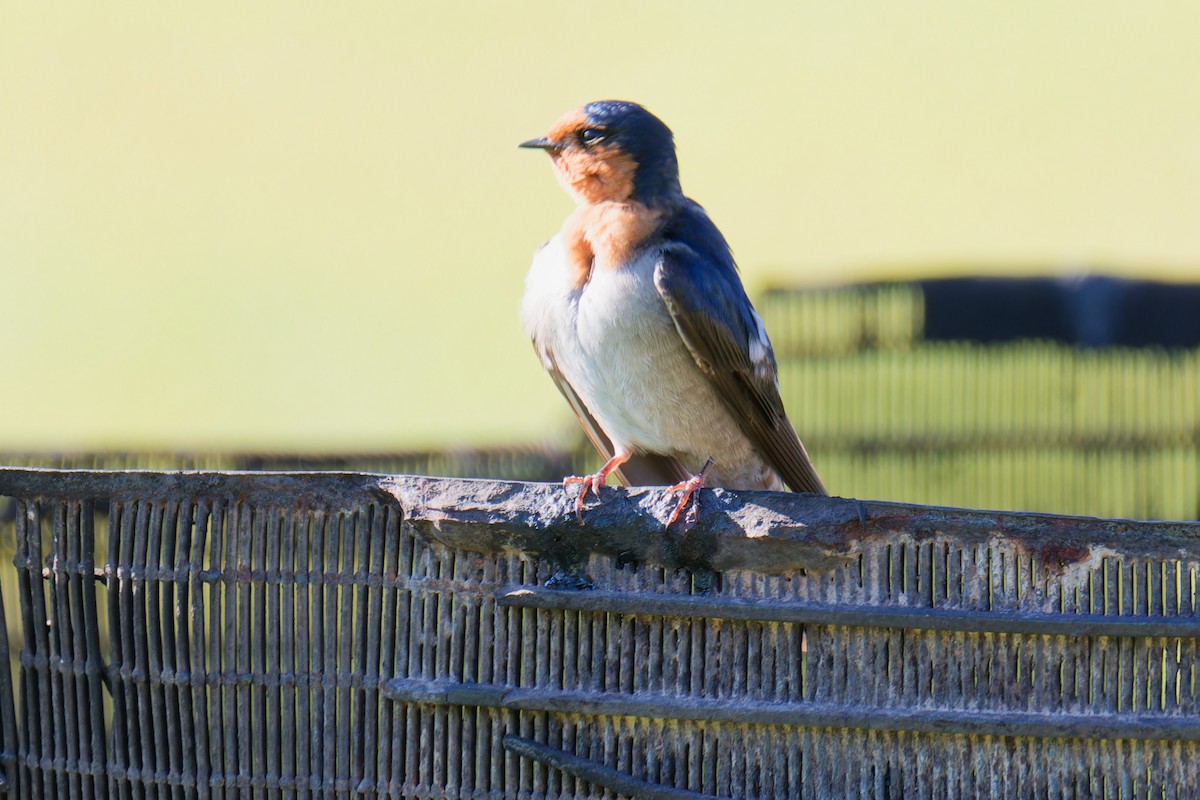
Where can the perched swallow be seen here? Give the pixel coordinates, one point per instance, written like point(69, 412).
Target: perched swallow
point(636, 310)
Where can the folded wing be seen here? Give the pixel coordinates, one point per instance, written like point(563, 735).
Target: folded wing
point(726, 338)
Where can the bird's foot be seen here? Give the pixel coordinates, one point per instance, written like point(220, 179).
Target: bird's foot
point(689, 487)
point(586, 482)
point(594, 482)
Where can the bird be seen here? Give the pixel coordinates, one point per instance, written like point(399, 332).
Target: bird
point(636, 310)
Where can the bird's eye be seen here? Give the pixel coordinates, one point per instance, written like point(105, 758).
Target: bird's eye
point(591, 135)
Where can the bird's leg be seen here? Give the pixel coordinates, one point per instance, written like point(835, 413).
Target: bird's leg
point(689, 487)
point(595, 481)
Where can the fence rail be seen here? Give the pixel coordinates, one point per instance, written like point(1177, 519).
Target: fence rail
point(214, 634)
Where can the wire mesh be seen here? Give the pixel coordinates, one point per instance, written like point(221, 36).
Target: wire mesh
point(306, 635)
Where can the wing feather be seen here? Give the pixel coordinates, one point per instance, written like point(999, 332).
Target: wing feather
point(723, 333)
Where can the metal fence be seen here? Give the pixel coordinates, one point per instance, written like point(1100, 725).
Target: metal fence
point(1001, 406)
point(332, 635)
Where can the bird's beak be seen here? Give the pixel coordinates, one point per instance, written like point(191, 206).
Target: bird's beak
point(544, 143)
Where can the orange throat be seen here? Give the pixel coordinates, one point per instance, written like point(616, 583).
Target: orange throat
point(607, 235)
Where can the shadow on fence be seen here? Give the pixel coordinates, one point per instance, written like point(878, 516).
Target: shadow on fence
point(333, 634)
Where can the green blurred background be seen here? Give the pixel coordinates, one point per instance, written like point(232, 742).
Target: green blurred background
point(305, 227)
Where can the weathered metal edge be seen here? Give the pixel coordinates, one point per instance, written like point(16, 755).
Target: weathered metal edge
point(901, 617)
point(807, 714)
point(773, 533)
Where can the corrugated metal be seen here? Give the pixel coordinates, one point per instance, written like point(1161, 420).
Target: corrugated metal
point(329, 635)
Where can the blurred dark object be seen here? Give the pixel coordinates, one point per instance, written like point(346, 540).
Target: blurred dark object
point(1090, 311)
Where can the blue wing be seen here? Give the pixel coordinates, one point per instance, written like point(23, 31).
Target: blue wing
point(699, 284)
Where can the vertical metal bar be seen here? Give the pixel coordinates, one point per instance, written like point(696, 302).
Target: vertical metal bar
point(370, 610)
point(537, 675)
point(240, 723)
point(173, 585)
point(177, 556)
point(317, 659)
point(202, 594)
point(435, 624)
point(294, 581)
point(488, 768)
point(123, 730)
point(82, 588)
point(472, 634)
point(10, 745)
point(457, 726)
point(220, 630)
point(481, 769)
point(275, 583)
point(329, 668)
point(305, 691)
point(403, 756)
point(136, 643)
point(65, 759)
point(88, 637)
point(156, 761)
point(347, 671)
point(41, 725)
point(27, 684)
point(390, 745)
point(256, 722)
point(230, 747)
point(515, 667)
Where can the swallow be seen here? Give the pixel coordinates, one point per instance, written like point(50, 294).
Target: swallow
point(636, 310)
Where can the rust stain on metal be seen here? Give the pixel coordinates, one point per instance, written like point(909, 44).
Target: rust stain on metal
point(1063, 552)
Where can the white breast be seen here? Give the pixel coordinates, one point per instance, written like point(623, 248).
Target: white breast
point(614, 341)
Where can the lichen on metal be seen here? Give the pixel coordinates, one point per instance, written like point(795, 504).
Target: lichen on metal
point(402, 636)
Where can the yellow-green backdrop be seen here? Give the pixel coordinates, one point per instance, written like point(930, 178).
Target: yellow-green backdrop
point(305, 226)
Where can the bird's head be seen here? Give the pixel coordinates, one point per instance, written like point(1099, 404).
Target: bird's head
point(612, 150)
